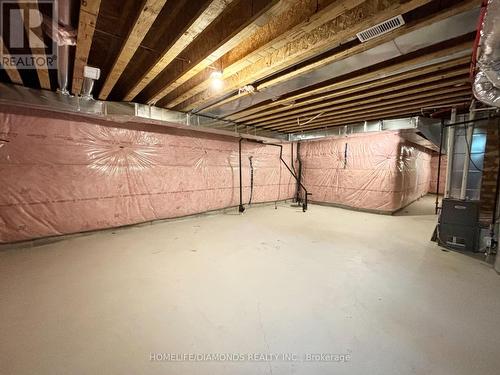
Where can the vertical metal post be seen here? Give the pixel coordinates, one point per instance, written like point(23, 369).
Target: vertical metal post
point(450, 148)
point(241, 207)
point(439, 166)
point(469, 133)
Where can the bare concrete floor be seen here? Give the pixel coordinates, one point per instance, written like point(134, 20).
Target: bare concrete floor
point(368, 286)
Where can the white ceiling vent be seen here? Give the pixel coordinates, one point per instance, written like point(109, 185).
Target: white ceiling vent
point(381, 28)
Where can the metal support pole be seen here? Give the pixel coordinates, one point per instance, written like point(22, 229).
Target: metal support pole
point(439, 165)
point(241, 207)
point(450, 148)
point(469, 133)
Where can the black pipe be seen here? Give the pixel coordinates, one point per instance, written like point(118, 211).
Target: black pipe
point(306, 194)
point(241, 208)
point(469, 121)
point(297, 193)
point(439, 165)
point(304, 205)
point(345, 156)
point(251, 180)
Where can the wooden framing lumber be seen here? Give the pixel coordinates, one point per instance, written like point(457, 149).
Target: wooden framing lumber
point(319, 40)
point(41, 71)
point(89, 11)
point(198, 25)
point(13, 74)
point(150, 11)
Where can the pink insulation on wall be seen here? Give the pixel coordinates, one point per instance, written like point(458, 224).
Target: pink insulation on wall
point(434, 174)
point(372, 171)
point(63, 174)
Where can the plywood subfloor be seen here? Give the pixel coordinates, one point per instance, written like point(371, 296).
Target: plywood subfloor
point(269, 281)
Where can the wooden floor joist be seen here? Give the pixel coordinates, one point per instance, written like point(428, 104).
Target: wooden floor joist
point(89, 11)
point(195, 28)
point(371, 106)
point(428, 98)
point(389, 70)
point(297, 17)
point(13, 73)
point(237, 23)
point(150, 10)
point(384, 115)
point(319, 40)
point(361, 93)
point(368, 97)
point(407, 28)
point(41, 71)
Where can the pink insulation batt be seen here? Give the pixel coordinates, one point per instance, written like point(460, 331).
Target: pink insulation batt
point(434, 174)
point(64, 174)
point(375, 171)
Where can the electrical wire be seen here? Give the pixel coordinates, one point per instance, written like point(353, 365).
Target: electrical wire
point(469, 145)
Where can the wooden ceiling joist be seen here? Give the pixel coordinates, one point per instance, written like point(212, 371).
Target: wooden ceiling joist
point(146, 18)
point(89, 10)
point(432, 96)
point(297, 17)
point(362, 92)
point(368, 97)
point(205, 17)
point(319, 40)
point(405, 29)
point(41, 71)
point(383, 115)
point(240, 21)
point(437, 94)
point(389, 70)
point(13, 73)
point(458, 8)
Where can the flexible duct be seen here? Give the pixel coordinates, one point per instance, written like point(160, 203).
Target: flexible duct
point(485, 91)
point(486, 85)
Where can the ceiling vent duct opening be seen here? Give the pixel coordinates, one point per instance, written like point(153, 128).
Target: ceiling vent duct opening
point(90, 75)
point(381, 28)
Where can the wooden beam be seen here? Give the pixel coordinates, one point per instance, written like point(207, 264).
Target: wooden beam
point(41, 71)
point(391, 70)
point(370, 85)
point(297, 17)
point(394, 98)
point(408, 111)
point(456, 9)
point(438, 94)
point(194, 29)
point(89, 11)
point(434, 96)
point(150, 11)
point(319, 40)
point(13, 73)
point(363, 94)
point(238, 22)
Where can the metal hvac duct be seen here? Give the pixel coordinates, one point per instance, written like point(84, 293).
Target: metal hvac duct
point(66, 38)
point(486, 85)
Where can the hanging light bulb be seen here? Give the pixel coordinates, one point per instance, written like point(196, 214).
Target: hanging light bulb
point(217, 82)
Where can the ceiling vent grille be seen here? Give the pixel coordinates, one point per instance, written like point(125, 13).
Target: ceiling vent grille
point(381, 28)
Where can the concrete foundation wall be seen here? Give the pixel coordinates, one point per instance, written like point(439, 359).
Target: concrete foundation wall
point(64, 174)
point(378, 171)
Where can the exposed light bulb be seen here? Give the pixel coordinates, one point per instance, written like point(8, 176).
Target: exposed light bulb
point(217, 81)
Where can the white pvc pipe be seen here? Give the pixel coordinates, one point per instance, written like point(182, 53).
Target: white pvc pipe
point(449, 150)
